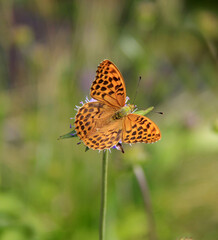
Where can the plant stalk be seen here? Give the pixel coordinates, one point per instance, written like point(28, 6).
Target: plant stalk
point(103, 195)
point(142, 181)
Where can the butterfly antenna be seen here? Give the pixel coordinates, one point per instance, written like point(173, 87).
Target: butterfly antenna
point(160, 113)
point(137, 89)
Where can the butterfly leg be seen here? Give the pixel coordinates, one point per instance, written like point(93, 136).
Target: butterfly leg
point(120, 147)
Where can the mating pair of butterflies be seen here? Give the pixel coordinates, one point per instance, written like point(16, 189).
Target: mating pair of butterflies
point(107, 120)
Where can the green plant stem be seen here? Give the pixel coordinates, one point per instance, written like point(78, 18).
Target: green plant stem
point(103, 195)
point(142, 181)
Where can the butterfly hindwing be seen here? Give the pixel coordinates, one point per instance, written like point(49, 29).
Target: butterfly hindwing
point(96, 128)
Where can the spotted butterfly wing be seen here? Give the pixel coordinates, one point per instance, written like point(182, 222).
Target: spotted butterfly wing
point(137, 128)
point(96, 128)
point(109, 86)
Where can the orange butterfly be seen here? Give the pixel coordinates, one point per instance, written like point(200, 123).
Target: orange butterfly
point(107, 121)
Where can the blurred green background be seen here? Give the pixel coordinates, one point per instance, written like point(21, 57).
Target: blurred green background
point(49, 52)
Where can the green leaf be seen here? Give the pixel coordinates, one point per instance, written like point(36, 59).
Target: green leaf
point(144, 112)
point(68, 135)
point(87, 148)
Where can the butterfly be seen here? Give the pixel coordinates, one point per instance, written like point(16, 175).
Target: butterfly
point(108, 120)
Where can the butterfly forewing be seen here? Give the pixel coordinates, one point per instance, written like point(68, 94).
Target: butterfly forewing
point(137, 128)
point(109, 86)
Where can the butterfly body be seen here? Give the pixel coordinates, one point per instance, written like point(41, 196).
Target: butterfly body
point(123, 111)
point(104, 122)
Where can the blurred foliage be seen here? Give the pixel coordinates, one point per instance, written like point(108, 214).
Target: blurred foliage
point(49, 51)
